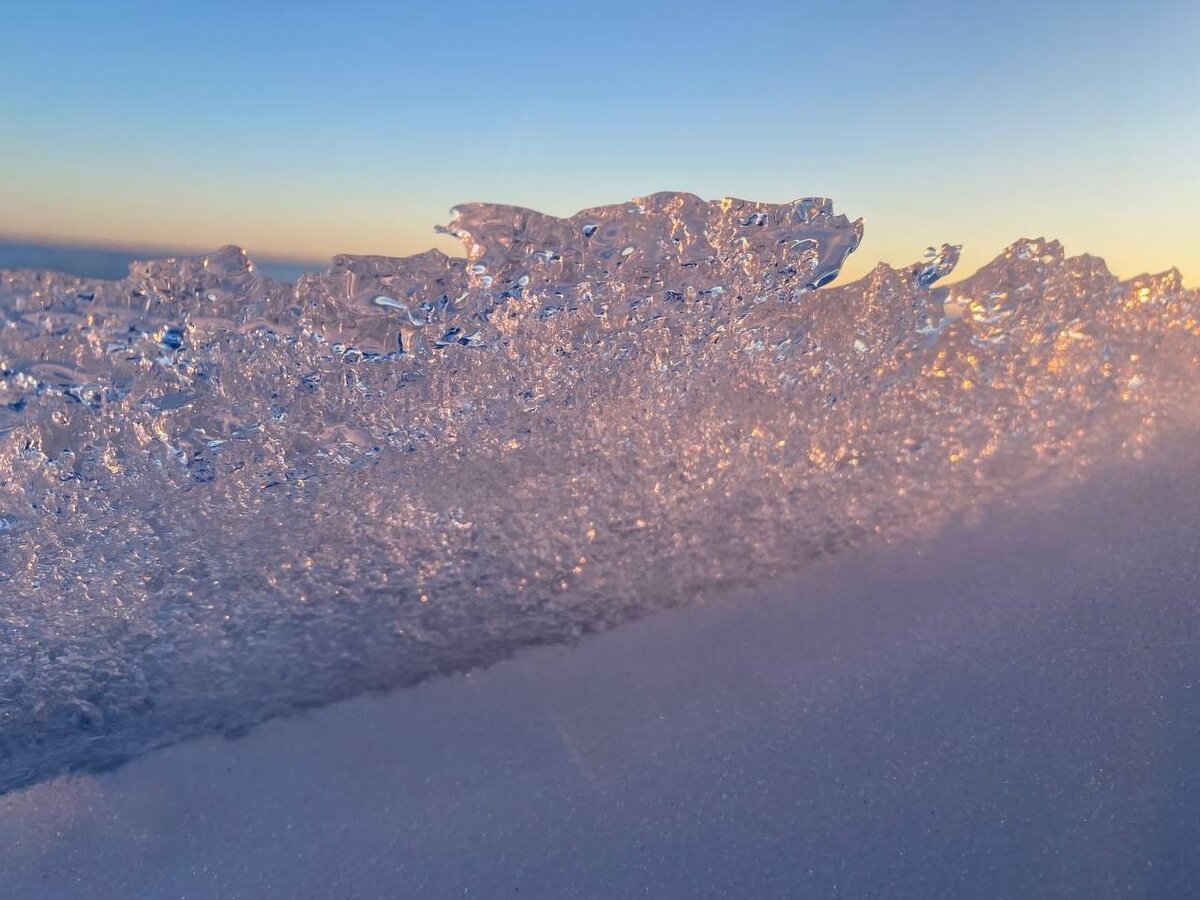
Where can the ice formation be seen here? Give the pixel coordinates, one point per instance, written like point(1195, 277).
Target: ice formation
point(224, 498)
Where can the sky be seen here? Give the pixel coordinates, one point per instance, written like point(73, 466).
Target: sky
point(303, 130)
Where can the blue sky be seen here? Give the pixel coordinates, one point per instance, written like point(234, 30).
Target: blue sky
point(308, 129)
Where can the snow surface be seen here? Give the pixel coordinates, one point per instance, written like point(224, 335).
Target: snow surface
point(1008, 708)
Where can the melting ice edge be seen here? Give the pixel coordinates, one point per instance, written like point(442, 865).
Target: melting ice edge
point(224, 498)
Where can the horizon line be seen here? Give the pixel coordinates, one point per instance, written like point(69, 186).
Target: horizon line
point(148, 252)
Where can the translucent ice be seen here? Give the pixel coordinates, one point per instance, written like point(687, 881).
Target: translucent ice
point(223, 498)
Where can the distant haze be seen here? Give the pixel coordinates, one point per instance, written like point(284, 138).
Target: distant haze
point(113, 262)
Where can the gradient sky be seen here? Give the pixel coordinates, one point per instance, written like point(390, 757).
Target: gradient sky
point(305, 129)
